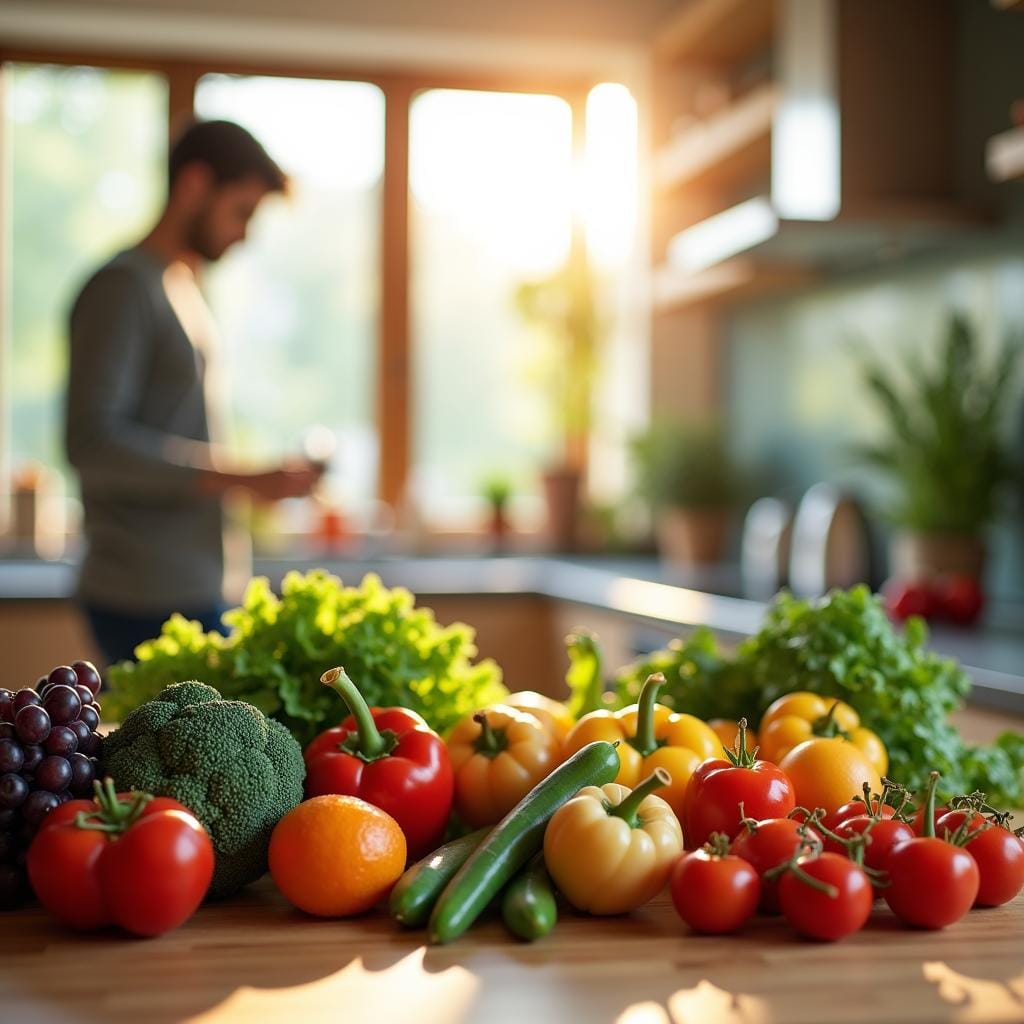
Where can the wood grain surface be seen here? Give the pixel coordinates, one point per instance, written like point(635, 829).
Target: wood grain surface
point(254, 959)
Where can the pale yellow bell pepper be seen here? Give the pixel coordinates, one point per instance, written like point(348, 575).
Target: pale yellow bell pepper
point(610, 850)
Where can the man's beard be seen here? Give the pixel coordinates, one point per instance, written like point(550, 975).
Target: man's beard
point(197, 237)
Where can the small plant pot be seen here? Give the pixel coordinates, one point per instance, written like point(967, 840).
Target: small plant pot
point(562, 495)
point(923, 556)
point(690, 536)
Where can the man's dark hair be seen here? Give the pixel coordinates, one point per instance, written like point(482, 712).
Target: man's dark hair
point(228, 150)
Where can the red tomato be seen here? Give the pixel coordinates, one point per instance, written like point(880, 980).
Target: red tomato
point(712, 893)
point(917, 822)
point(765, 846)
point(931, 882)
point(903, 599)
point(999, 855)
point(148, 877)
point(959, 599)
point(855, 809)
point(826, 915)
point(884, 836)
point(719, 786)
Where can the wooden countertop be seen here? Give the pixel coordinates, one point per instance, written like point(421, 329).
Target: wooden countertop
point(254, 959)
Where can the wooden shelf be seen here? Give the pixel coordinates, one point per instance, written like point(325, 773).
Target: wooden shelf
point(738, 278)
point(1004, 155)
point(716, 31)
point(727, 149)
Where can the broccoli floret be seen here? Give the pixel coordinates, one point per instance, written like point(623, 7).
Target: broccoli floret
point(236, 770)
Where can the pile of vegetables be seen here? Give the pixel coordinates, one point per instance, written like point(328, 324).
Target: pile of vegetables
point(279, 646)
point(843, 646)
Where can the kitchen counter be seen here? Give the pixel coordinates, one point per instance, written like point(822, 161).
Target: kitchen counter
point(254, 959)
point(637, 589)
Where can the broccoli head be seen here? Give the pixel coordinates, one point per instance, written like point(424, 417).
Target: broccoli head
point(238, 771)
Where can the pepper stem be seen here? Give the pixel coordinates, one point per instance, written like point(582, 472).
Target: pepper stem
point(490, 742)
point(370, 743)
point(827, 725)
point(627, 810)
point(644, 741)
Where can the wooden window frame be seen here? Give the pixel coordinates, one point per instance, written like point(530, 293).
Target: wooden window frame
point(394, 384)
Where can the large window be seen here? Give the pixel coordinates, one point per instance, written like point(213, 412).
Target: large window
point(87, 148)
point(297, 304)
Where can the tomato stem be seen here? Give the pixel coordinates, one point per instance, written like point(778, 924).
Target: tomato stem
point(929, 806)
point(627, 810)
point(644, 741)
point(112, 815)
point(739, 755)
point(717, 845)
point(367, 743)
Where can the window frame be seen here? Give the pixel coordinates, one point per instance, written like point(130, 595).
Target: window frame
point(394, 384)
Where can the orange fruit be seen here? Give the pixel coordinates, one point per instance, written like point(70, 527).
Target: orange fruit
point(334, 856)
point(828, 771)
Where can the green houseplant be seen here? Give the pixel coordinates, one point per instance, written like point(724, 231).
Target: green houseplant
point(944, 449)
point(686, 474)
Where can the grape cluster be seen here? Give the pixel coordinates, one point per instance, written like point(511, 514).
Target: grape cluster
point(48, 755)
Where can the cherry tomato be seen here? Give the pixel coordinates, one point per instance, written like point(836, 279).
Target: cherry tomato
point(764, 846)
point(855, 809)
point(959, 599)
point(903, 599)
point(826, 915)
point(883, 837)
point(714, 893)
point(147, 875)
point(719, 786)
point(999, 855)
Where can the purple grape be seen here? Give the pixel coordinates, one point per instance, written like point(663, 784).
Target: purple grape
point(41, 682)
point(13, 790)
point(34, 755)
point(84, 694)
point(37, 806)
point(8, 819)
point(83, 772)
point(7, 731)
point(6, 706)
point(11, 756)
point(62, 704)
point(88, 675)
point(81, 731)
point(33, 724)
point(63, 675)
point(64, 796)
point(90, 746)
point(62, 741)
point(90, 716)
point(53, 774)
point(23, 698)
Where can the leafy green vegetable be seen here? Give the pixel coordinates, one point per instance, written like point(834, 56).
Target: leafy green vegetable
point(843, 646)
point(584, 678)
point(279, 647)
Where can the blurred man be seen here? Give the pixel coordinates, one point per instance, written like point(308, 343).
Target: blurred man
point(142, 402)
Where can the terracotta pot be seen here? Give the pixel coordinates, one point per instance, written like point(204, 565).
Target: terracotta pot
point(692, 536)
point(497, 526)
point(917, 556)
point(562, 494)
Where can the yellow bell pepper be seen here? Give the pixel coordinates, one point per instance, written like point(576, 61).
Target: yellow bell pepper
point(610, 850)
point(553, 714)
point(498, 755)
point(803, 715)
point(650, 736)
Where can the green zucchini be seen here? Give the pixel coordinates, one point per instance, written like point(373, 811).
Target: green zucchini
point(516, 838)
point(416, 892)
point(528, 904)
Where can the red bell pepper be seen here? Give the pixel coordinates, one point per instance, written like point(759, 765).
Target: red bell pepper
point(388, 757)
point(129, 859)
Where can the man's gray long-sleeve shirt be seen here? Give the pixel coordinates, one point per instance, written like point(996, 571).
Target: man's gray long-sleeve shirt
point(137, 432)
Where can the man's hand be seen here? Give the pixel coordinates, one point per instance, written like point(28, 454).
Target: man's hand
point(293, 479)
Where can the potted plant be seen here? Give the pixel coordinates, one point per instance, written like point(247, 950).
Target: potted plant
point(563, 308)
point(687, 475)
point(496, 491)
point(943, 448)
